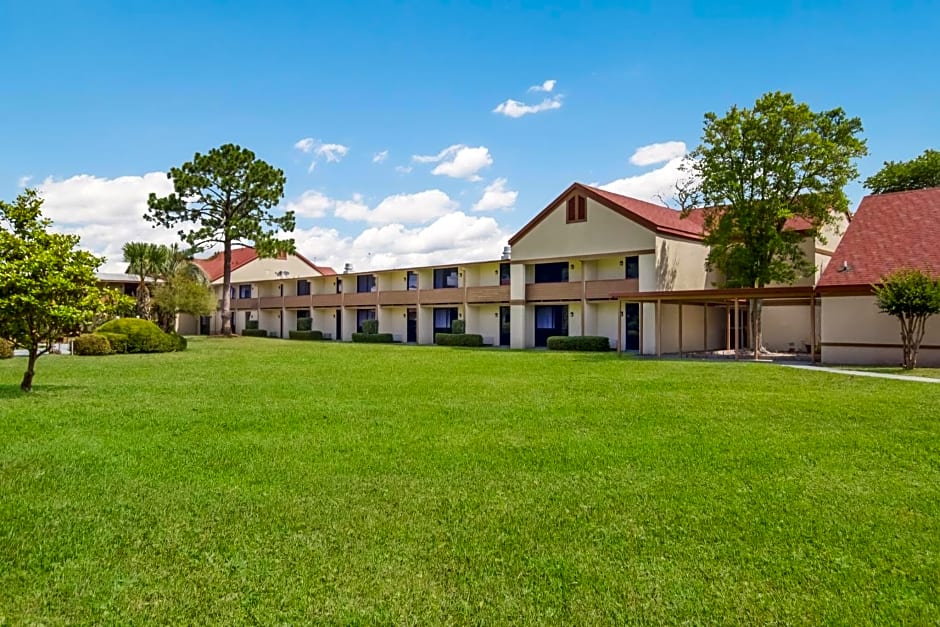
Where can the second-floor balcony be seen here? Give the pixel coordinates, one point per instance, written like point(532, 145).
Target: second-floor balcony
point(441, 296)
point(488, 294)
point(243, 303)
point(327, 300)
point(601, 290)
point(553, 291)
point(271, 302)
point(398, 297)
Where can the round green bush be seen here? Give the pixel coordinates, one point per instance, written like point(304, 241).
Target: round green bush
point(91, 344)
point(143, 336)
point(6, 350)
point(118, 341)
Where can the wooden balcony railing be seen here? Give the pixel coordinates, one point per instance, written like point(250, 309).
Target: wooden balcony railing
point(271, 302)
point(361, 299)
point(601, 290)
point(553, 291)
point(297, 301)
point(398, 297)
point(488, 294)
point(442, 296)
point(243, 303)
point(327, 300)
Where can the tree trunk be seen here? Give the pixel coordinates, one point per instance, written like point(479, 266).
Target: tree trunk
point(143, 302)
point(27, 384)
point(757, 331)
point(227, 289)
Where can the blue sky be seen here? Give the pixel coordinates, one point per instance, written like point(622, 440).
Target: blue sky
point(97, 96)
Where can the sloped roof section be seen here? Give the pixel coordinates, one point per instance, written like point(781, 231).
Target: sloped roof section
point(889, 232)
point(213, 266)
point(654, 217)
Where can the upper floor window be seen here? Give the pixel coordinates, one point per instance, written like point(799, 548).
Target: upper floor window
point(303, 287)
point(244, 291)
point(504, 274)
point(551, 272)
point(576, 209)
point(339, 286)
point(631, 267)
point(411, 280)
point(445, 277)
point(365, 283)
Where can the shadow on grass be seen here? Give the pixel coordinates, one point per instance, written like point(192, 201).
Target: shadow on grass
point(13, 391)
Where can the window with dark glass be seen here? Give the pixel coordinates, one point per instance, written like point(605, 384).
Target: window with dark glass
point(412, 280)
point(303, 287)
point(551, 272)
point(244, 291)
point(443, 316)
point(365, 283)
point(361, 316)
point(576, 209)
point(631, 267)
point(445, 277)
point(339, 286)
point(303, 313)
point(504, 274)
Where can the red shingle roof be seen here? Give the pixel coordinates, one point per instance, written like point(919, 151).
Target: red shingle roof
point(213, 266)
point(889, 232)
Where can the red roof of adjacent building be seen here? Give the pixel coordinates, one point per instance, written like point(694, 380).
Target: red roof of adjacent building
point(213, 266)
point(889, 232)
point(656, 218)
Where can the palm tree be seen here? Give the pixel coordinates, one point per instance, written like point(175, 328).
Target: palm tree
point(183, 287)
point(144, 259)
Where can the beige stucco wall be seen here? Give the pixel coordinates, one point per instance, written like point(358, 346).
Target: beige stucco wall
point(604, 231)
point(484, 319)
point(265, 269)
point(786, 328)
point(680, 265)
point(856, 320)
point(606, 316)
point(394, 320)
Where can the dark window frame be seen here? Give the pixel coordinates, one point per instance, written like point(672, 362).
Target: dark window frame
point(303, 287)
point(631, 263)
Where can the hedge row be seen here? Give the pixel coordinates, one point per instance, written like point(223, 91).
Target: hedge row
point(254, 332)
point(251, 324)
point(91, 344)
point(306, 335)
point(370, 327)
point(373, 338)
point(304, 324)
point(597, 343)
point(458, 339)
point(128, 335)
point(6, 350)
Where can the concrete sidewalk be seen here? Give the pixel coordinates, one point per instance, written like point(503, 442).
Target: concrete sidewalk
point(863, 373)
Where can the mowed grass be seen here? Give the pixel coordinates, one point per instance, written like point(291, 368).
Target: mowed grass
point(268, 481)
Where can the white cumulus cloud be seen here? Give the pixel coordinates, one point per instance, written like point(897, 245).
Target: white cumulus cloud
point(23, 181)
point(515, 109)
point(496, 196)
point(311, 204)
point(380, 157)
point(459, 161)
point(657, 153)
point(546, 86)
point(105, 212)
point(332, 152)
point(657, 184)
point(304, 145)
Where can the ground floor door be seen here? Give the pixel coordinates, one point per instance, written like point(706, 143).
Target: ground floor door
point(204, 322)
point(339, 324)
point(504, 327)
point(412, 336)
point(443, 317)
point(550, 320)
point(631, 321)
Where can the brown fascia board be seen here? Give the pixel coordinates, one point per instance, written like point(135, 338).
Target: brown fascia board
point(789, 291)
point(590, 193)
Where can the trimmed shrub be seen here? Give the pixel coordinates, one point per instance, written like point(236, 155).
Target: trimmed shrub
point(91, 344)
point(118, 341)
point(373, 338)
point(458, 339)
point(304, 324)
point(179, 341)
point(143, 336)
point(6, 350)
point(251, 324)
point(458, 327)
point(254, 332)
point(370, 327)
point(597, 343)
point(306, 335)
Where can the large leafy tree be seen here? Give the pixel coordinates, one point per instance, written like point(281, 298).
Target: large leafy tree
point(144, 259)
point(48, 288)
point(757, 172)
point(912, 297)
point(181, 287)
point(898, 176)
point(223, 198)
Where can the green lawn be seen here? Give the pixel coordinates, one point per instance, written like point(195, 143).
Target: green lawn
point(930, 373)
point(254, 480)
